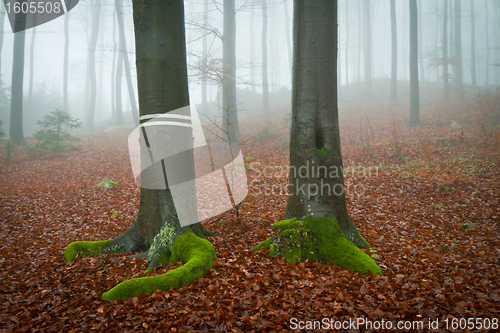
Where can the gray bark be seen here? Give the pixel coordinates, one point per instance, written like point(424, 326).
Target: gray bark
point(487, 34)
point(458, 43)
point(66, 62)
point(91, 72)
point(16, 94)
point(347, 43)
point(118, 89)
point(445, 48)
point(122, 44)
point(204, 102)
point(473, 45)
point(265, 85)
point(360, 32)
point(394, 60)
point(367, 48)
point(113, 72)
point(288, 39)
point(315, 124)
point(420, 43)
point(252, 52)
point(414, 84)
point(29, 109)
point(2, 18)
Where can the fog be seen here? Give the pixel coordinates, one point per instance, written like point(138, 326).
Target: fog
point(46, 52)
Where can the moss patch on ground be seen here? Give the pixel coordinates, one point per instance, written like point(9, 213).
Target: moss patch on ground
point(84, 248)
point(197, 255)
point(319, 239)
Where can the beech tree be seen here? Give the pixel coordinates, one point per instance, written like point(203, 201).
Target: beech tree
point(414, 84)
point(445, 49)
point(394, 57)
point(91, 92)
point(163, 87)
point(317, 224)
point(16, 95)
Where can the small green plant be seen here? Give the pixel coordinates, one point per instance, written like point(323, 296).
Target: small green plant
point(374, 254)
point(410, 175)
point(438, 206)
point(427, 247)
point(115, 213)
point(471, 168)
point(468, 226)
point(54, 131)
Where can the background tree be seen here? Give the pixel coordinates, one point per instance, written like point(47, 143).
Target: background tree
point(31, 70)
point(473, 45)
point(414, 84)
point(54, 130)
point(163, 86)
point(445, 48)
point(2, 18)
point(458, 44)
point(367, 47)
point(66, 62)
point(265, 85)
point(394, 57)
point(16, 94)
point(95, 10)
point(420, 43)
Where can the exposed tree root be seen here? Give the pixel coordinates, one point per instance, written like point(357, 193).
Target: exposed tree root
point(320, 239)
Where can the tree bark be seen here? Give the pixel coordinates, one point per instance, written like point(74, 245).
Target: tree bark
point(488, 52)
point(458, 44)
point(2, 18)
point(204, 103)
point(414, 84)
point(265, 85)
point(123, 49)
point(315, 139)
point(16, 95)
point(95, 7)
point(346, 43)
point(66, 63)
point(420, 43)
point(360, 32)
point(113, 72)
point(118, 89)
point(288, 39)
point(445, 49)
point(367, 48)
point(230, 109)
point(394, 60)
point(32, 70)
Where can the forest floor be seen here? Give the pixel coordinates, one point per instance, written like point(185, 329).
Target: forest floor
point(426, 199)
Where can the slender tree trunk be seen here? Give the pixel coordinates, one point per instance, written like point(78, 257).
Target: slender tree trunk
point(497, 39)
point(414, 84)
point(204, 103)
point(288, 38)
point(420, 43)
point(94, 33)
point(252, 52)
point(360, 32)
point(473, 45)
point(347, 43)
point(487, 34)
point(118, 89)
point(403, 47)
point(29, 109)
point(123, 49)
point(66, 62)
point(451, 40)
point(445, 48)
point(368, 48)
point(436, 42)
point(265, 85)
point(394, 60)
point(16, 94)
point(315, 139)
point(2, 17)
point(458, 44)
point(113, 72)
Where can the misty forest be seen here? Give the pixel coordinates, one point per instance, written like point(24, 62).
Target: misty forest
point(250, 166)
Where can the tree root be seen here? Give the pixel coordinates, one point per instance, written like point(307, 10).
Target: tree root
point(317, 239)
point(196, 253)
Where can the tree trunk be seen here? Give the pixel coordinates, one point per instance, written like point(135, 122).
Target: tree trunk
point(368, 48)
point(113, 72)
point(66, 63)
point(32, 70)
point(414, 84)
point(288, 39)
point(445, 49)
point(265, 85)
point(252, 52)
point(458, 44)
point(123, 49)
point(394, 63)
point(487, 61)
point(473, 45)
point(204, 102)
point(360, 32)
point(346, 43)
point(420, 43)
point(118, 89)
point(2, 18)
point(91, 73)
point(230, 110)
point(16, 95)
point(315, 139)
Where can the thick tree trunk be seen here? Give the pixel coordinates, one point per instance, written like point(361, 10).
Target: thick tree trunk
point(414, 84)
point(368, 48)
point(91, 73)
point(265, 85)
point(230, 109)
point(445, 49)
point(394, 60)
point(16, 95)
point(458, 44)
point(315, 140)
point(473, 45)
point(66, 63)
point(123, 49)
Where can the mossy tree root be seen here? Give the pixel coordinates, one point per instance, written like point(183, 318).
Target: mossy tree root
point(317, 239)
point(84, 248)
point(195, 253)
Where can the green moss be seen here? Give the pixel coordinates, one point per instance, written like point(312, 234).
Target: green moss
point(268, 242)
point(196, 253)
point(321, 153)
point(320, 239)
point(106, 183)
point(85, 248)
